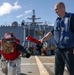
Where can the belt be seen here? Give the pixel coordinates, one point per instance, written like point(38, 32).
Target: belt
point(65, 48)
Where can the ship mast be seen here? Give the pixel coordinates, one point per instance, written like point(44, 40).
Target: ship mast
point(33, 18)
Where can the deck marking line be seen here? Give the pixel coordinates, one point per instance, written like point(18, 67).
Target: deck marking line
point(41, 68)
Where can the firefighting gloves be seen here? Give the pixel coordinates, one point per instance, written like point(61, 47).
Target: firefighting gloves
point(39, 46)
point(27, 55)
point(29, 49)
point(28, 52)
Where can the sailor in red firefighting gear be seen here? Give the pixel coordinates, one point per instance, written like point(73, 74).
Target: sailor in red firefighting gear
point(10, 51)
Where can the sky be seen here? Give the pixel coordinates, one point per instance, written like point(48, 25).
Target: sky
point(18, 10)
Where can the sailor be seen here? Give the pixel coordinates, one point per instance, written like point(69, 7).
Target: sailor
point(63, 32)
point(10, 51)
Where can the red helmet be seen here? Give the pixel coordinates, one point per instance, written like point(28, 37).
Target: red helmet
point(8, 36)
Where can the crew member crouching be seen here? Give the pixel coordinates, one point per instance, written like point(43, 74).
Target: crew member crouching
point(10, 51)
